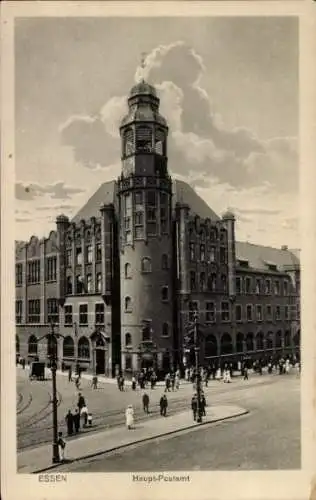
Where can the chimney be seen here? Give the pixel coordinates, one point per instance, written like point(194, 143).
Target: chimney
point(284, 247)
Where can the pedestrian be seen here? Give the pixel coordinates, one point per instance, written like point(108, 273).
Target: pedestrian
point(129, 416)
point(70, 423)
point(70, 374)
point(146, 402)
point(194, 406)
point(270, 367)
point(163, 405)
point(173, 381)
point(61, 446)
point(187, 374)
point(89, 419)
point(94, 382)
point(245, 373)
point(77, 382)
point(76, 419)
point(23, 364)
point(177, 381)
point(133, 383)
point(218, 375)
point(203, 405)
point(84, 413)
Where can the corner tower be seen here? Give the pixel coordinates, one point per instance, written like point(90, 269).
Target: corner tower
point(144, 192)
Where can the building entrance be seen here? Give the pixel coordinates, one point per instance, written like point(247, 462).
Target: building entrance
point(100, 360)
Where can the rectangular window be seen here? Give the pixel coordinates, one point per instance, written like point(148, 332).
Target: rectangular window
point(68, 258)
point(192, 280)
point(33, 271)
point(78, 256)
point(99, 282)
point(151, 228)
point(238, 312)
point(68, 315)
point(18, 311)
point(99, 314)
point(258, 286)
point(202, 253)
point(267, 287)
point(83, 314)
point(128, 203)
point(50, 268)
point(210, 312)
point(18, 274)
point(52, 311)
point(193, 308)
point(192, 251)
point(34, 311)
point(139, 218)
point(89, 254)
point(89, 283)
point(269, 312)
point(98, 252)
point(238, 285)
point(151, 198)
point(138, 198)
point(285, 287)
point(139, 232)
point(259, 312)
point(151, 215)
point(277, 313)
point(277, 287)
point(222, 255)
point(212, 255)
point(225, 311)
point(286, 313)
point(249, 313)
point(248, 285)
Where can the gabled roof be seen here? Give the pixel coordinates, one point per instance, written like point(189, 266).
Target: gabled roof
point(261, 257)
point(182, 192)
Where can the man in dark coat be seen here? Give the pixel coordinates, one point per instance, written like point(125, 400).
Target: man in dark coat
point(146, 403)
point(203, 405)
point(76, 419)
point(163, 405)
point(70, 374)
point(81, 401)
point(194, 405)
point(70, 423)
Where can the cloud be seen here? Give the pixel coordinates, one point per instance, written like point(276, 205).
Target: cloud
point(22, 220)
point(55, 207)
point(198, 140)
point(259, 211)
point(31, 191)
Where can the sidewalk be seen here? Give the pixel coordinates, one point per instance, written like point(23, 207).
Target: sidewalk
point(39, 459)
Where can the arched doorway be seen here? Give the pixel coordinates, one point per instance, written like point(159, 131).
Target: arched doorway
point(210, 346)
point(269, 340)
point(249, 342)
point(100, 355)
point(17, 344)
point(226, 344)
point(259, 341)
point(240, 342)
point(68, 348)
point(83, 348)
point(287, 339)
point(32, 345)
point(278, 340)
point(166, 362)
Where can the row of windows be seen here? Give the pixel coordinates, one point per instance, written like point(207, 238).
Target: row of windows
point(99, 310)
point(140, 198)
point(33, 271)
point(128, 307)
point(262, 286)
point(248, 313)
point(208, 283)
point(204, 254)
point(34, 311)
point(88, 255)
point(146, 266)
point(144, 140)
point(146, 335)
point(84, 285)
point(213, 235)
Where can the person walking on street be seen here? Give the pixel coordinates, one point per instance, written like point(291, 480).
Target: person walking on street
point(146, 403)
point(163, 405)
point(61, 446)
point(70, 423)
point(70, 374)
point(133, 383)
point(129, 417)
point(245, 373)
point(76, 419)
point(203, 405)
point(84, 413)
point(173, 381)
point(177, 381)
point(94, 382)
point(167, 382)
point(77, 382)
point(81, 402)
point(194, 406)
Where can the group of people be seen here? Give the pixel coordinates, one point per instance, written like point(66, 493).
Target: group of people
point(81, 413)
point(198, 406)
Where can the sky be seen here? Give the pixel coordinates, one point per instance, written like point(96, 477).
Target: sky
point(228, 88)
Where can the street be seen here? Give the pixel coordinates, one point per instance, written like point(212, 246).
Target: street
point(267, 438)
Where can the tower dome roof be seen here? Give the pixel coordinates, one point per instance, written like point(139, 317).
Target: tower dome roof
point(143, 88)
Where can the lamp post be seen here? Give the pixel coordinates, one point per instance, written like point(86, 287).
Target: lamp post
point(197, 367)
point(52, 337)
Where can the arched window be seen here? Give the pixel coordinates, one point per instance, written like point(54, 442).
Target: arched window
point(68, 347)
point(165, 329)
point(128, 269)
point(128, 304)
point(99, 282)
point(146, 265)
point(226, 344)
point(128, 142)
point(51, 347)
point(249, 342)
point(144, 139)
point(164, 261)
point(83, 348)
point(17, 344)
point(164, 294)
point(212, 282)
point(192, 280)
point(224, 283)
point(69, 285)
point(287, 339)
point(278, 339)
point(202, 281)
point(32, 345)
point(259, 341)
point(269, 340)
point(160, 142)
point(213, 234)
point(79, 284)
point(240, 342)
point(210, 346)
point(128, 339)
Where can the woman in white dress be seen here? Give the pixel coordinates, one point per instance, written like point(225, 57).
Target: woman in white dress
point(218, 375)
point(129, 416)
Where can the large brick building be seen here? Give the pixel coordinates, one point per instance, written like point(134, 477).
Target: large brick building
point(122, 279)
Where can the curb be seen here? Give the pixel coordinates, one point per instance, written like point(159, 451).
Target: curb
point(142, 440)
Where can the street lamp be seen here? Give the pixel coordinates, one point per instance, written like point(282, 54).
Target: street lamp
point(197, 367)
point(52, 338)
